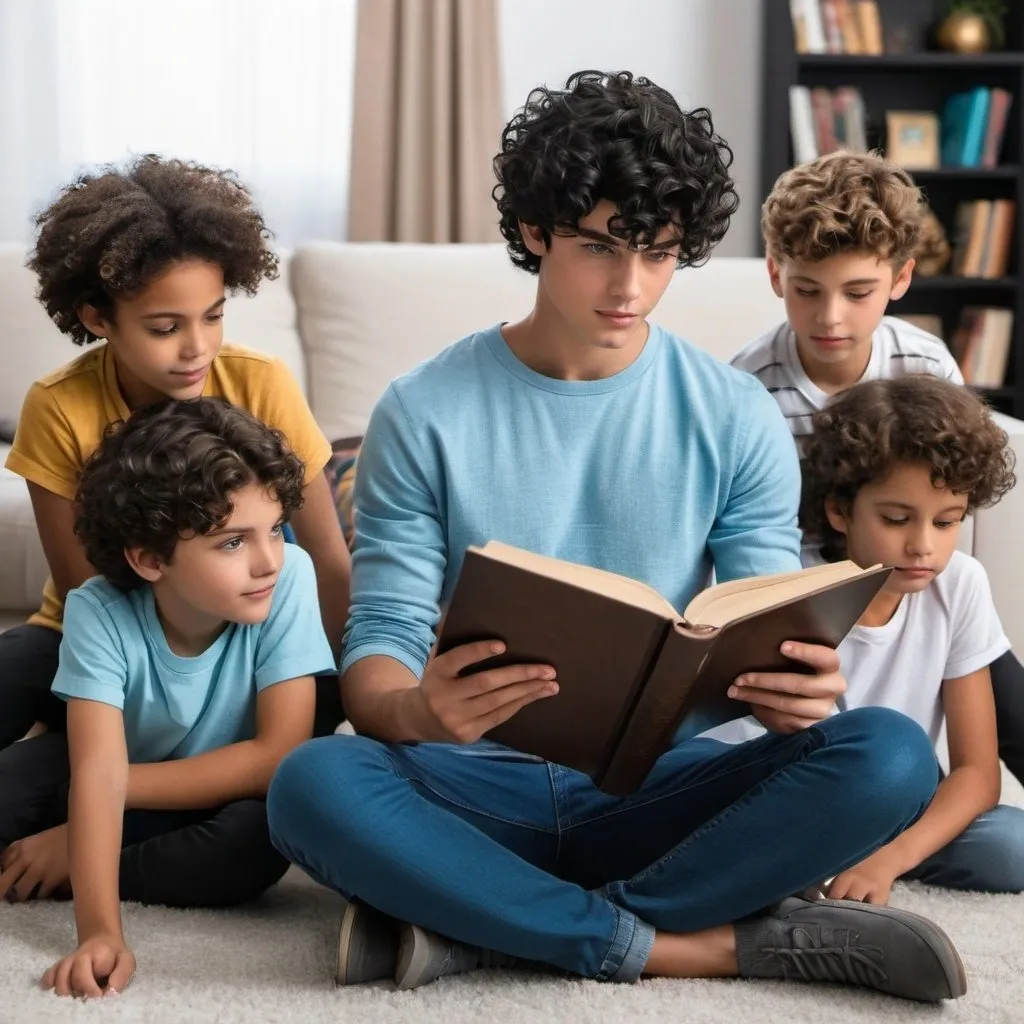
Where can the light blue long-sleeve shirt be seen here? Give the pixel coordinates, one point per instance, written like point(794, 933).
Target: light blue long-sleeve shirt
point(674, 465)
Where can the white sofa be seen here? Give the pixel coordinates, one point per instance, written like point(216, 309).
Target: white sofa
point(347, 318)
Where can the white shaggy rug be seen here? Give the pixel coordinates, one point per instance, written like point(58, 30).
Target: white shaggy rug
point(273, 962)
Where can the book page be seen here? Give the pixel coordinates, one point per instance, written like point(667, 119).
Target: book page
point(713, 607)
point(725, 602)
point(600, 581)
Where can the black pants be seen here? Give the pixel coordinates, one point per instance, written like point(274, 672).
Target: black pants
point(208, 858)
point(1008, 687)
point(28, 663)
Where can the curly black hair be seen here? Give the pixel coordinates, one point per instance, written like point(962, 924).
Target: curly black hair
point(110, 233)
point(615, 137)
point(168, 473)
point(863, 433)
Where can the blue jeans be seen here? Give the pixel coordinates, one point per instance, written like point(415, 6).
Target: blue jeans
point(987, 857)
point(531, 859)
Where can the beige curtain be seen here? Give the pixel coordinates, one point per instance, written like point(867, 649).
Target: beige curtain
point(427, 121)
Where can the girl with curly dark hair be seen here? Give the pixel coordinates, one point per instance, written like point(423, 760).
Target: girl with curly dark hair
point(142, 258)
point(890, 472)
point(585, 432)
point(187, 670)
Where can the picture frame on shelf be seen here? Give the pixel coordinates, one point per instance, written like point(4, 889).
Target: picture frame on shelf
point(913, 139)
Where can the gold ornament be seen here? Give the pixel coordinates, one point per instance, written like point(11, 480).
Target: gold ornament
point(963, 32)
point(933, 249)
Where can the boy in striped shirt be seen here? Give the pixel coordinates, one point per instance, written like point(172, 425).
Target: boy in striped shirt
point(840, 233)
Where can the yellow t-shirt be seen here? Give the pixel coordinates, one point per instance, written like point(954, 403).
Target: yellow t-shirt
point(64, 417)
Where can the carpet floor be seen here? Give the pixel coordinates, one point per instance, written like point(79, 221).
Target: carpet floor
point(273, 961)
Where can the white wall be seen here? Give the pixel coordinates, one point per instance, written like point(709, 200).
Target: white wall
point(705, 52)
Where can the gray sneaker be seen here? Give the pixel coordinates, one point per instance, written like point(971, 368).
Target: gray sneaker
point(424, 956)
point(882, 948)
point(367, 945)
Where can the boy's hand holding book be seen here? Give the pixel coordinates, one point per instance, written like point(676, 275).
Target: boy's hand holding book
point(632, 671)
point(455, 708)
point(790, 701)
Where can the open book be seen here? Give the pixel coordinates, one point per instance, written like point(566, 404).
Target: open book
point(629, 667)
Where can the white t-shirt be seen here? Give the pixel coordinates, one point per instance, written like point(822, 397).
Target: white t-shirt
point(898, 349)
point(946, 631)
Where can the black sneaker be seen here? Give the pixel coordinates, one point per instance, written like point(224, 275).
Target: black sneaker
point(367, 945)
point(424, 956)
point(882, 948)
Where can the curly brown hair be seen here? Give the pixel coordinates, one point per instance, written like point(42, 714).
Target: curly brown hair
point(169, 472)
point(616, 137)
point(864, 432)
point(844, 202)
point(110, 233)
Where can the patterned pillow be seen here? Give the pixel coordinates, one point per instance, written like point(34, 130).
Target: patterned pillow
point(341, 475)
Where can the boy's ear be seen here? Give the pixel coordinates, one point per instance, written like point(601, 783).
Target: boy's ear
point(901, 282)
point(835, 516)
point(93, 320)
point(533, 239)
point(146, 564)
point(775, 276)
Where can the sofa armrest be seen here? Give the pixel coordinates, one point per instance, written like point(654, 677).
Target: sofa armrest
point(997, 543)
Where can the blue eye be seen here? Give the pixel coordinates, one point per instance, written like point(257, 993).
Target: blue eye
point(232, 545)
point(598, 248)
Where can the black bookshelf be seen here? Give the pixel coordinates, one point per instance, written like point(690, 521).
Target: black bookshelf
point(917, 81)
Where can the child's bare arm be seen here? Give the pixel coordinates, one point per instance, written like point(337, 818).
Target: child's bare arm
point(972, 786)
point(99, 779)
point(970, 789)
point(319, 533)
point(284, 719)
point(55, 521)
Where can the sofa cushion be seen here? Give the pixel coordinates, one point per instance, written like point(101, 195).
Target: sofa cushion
point(23, 568)
point(267, 322)
point(356, 303)
point(33, 347)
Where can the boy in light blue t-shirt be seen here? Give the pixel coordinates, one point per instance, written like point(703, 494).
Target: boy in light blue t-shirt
point(188, 671)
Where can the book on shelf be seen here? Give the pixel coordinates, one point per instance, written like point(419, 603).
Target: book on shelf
point(973, 127)
point(833, 26)
point(801, 124)
point(982, 237)
point(836, 26)
point(824, 120)
point(928, 322)
point(630, 668)
point(981, 345)
point(995, 127)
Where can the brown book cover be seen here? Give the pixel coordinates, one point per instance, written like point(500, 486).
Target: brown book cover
point(629, 667)
point(996, 256)
point(995, 128)
point(824, 121)
point(849, 27)
point(870, 24)
point(980, 217)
